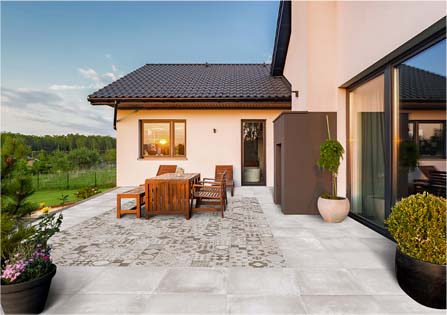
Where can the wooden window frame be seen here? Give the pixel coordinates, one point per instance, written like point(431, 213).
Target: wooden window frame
point(171, 155)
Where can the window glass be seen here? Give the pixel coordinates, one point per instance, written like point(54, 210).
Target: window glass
point(179, 138)
point(367, 150)
point(420, 103)
point(431, 139)
point(156, 139)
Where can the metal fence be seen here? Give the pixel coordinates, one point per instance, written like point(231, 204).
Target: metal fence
point(105, 177)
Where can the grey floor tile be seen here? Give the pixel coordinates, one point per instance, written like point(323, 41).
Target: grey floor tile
point(364, 259)
point(378, 281)
point(186, 304)
point(265, 281)
point(341, 304)
point(100, 304)
point(69, 280)
point(197, 280)
point(404, 305)
point(126, 280)
point(299, 243)
point(265, 304)
point(303, 259)
point(327, 282)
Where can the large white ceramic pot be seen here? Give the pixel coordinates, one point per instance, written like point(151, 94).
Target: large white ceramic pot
point(333, 210)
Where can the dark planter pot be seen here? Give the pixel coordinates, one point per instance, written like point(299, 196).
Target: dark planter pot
point(424, 282)
point(27, 297)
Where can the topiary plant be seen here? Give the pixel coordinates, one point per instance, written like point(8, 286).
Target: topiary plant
point(417, 223)
point(331, 152)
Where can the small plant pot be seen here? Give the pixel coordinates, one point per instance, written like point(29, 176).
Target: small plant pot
point(27, 297)
point(424, 282)
point(333, 210)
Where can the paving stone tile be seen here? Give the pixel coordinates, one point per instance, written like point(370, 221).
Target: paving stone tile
point(327, 282)
point(197, 280)
point(341, 304)
point(274, 281)
point(265, 304)
point(186, 304)
point(377, 281)
point(140, 280)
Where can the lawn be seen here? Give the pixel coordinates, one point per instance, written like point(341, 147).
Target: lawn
point(52, 197)
point(101, 177)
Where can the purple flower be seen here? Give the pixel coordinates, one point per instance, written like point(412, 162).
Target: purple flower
point(14, 271)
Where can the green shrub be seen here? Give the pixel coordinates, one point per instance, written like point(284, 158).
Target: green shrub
point(417, 223)
point(86, 192)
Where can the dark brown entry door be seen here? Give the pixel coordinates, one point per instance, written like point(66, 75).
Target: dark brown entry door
point(253, 152)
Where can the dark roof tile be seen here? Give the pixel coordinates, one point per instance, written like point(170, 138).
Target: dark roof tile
point(212, 81)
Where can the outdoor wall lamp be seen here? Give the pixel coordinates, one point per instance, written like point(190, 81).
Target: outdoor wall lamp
point(214, 130)
point(297, 93)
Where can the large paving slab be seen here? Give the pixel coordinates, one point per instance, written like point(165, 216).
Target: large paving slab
point(330, 269)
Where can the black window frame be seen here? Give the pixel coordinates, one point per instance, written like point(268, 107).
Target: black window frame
point(416, 123)
point(387, 66)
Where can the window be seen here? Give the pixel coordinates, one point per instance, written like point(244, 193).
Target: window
point(430, 140)
point(367, 149)
point(163, 138)
point(397, 127)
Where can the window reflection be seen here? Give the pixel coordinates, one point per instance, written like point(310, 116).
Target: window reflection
point(156, 139)
point(421, 116)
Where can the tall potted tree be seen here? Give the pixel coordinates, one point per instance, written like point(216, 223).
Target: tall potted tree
point(418, 224)
point(26, 267)
point(332, 207)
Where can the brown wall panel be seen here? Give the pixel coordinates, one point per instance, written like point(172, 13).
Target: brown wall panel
point(298, 180)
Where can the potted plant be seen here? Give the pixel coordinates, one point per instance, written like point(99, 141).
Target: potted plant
point(418, 224)
point(26, 267)
point(332, 207)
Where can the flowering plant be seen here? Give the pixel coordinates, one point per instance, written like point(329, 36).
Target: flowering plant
point(26, 255)
point(23, 267)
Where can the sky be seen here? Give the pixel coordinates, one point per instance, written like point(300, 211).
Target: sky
point(54, 54)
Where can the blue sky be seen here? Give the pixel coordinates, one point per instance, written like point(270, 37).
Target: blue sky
point(54, 54)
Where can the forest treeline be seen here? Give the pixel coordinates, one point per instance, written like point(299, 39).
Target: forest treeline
point(65, 142)
point(51, 154)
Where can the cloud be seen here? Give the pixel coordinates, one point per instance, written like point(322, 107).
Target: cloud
point(64, 87)
point(108, 56)
point(35, 111)
point(99, 80)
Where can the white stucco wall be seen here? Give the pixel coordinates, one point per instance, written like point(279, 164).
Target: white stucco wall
point(333, 41)
point(204, 149)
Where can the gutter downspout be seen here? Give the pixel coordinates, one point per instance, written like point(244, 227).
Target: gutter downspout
point(114, 114)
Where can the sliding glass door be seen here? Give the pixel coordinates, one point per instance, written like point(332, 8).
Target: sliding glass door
point(397, 132)
point(367, 149)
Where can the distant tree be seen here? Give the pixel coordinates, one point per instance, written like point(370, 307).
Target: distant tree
point(59, 161)
point(109, 156)
point(83, 158)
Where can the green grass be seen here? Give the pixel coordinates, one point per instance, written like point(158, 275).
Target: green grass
point(51, 197)
point(105, 177)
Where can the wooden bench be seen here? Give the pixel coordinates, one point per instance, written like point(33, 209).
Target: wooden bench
point(135, 193)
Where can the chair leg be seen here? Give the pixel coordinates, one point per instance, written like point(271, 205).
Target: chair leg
point(222, 207)
point(232, 191)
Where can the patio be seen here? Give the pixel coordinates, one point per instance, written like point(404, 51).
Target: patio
point(316, 268)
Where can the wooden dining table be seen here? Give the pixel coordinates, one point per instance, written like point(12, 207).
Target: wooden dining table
point(170, 193)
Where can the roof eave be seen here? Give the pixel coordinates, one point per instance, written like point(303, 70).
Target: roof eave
point(282, 37)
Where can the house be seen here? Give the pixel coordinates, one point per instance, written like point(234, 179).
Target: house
point(196, 116)
point(374, 70)
point(380, 68)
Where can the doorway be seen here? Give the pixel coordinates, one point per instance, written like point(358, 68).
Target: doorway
point(253, 152)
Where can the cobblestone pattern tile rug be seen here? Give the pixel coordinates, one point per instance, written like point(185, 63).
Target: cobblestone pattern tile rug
point(242, 239)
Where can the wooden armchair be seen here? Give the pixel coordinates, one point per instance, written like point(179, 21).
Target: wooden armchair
point(210, 192)
point(164, 169)
point(228, 170)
